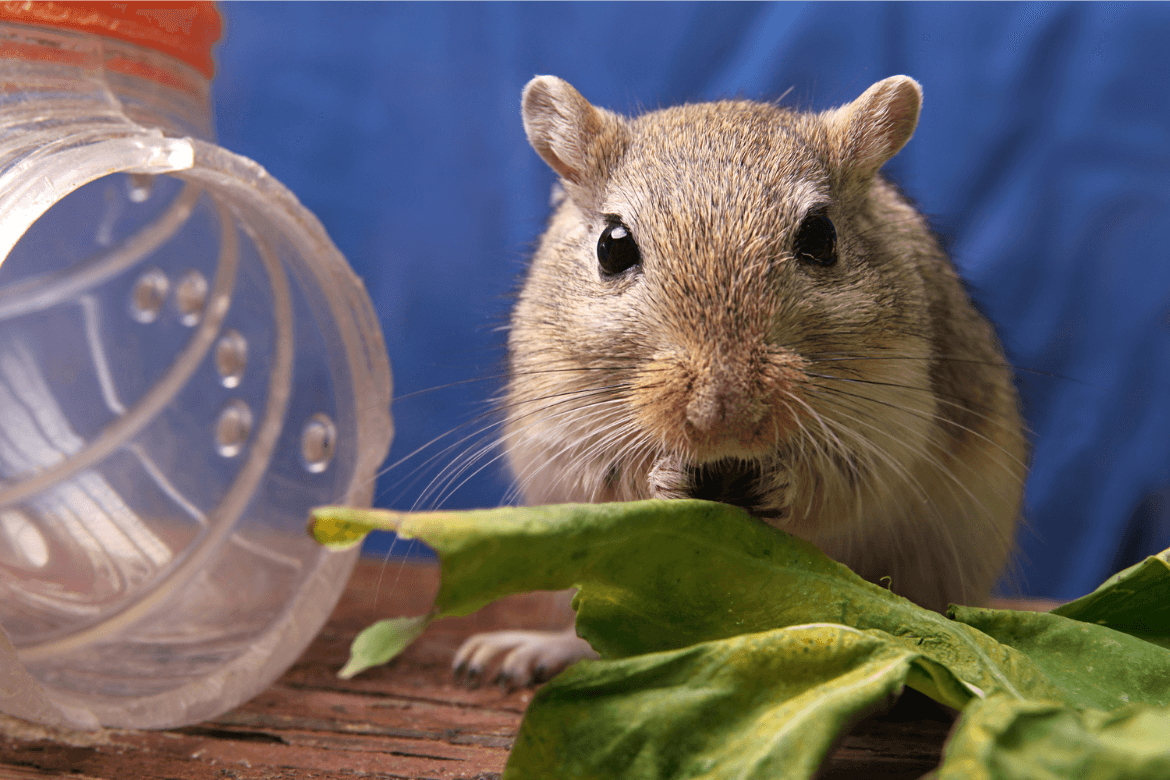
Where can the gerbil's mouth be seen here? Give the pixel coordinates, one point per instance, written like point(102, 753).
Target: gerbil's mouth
point(730, 481)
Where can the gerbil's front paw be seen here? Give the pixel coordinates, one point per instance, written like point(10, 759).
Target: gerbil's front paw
point(531, 656)
point(762, 487)
point(670, 477)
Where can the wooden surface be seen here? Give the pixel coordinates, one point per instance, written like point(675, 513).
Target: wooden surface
point(406, 720)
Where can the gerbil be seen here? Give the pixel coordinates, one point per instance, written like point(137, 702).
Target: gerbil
point(731, 303)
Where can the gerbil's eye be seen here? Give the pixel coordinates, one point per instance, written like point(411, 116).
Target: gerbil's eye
point(816, 240)
point(616, 250)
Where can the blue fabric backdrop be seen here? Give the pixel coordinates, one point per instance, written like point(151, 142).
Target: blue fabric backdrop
point(1042, 157)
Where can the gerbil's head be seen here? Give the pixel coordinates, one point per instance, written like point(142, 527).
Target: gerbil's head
point(728, 303)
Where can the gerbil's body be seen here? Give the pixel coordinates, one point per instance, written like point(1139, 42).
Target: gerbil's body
point(730, 303)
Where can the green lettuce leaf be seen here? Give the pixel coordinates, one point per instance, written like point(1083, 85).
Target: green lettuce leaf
point(731, 649)
point(381, 642)
point(1135, 600)
point(1009, 739)
point(760, 705)
point(663, 575)
point(1094, 666)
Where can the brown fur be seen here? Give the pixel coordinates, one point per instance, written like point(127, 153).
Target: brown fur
point(868, 402)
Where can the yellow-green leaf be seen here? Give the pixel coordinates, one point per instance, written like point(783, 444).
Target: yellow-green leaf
point(342, 527)
point(380, 642)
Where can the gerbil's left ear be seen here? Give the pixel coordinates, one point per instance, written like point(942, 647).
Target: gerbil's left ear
point(872, 129)
point(578, 141)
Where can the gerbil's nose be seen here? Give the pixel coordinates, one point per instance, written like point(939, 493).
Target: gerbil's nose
point(722, 405)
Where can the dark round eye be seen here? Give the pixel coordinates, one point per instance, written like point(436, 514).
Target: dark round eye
point(616, 250)
point(816, 240)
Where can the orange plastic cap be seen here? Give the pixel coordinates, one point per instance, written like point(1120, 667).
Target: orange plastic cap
point(183, 30)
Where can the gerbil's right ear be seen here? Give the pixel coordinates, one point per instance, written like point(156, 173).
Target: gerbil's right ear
point(872, 129)
point(578, 141)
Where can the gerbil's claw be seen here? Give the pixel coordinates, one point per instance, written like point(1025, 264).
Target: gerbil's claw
point(469, 678)
point(504, 683)
point(529, 657)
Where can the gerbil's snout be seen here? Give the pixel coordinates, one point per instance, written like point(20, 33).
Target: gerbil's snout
point(720, 404)
point(722, 401)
